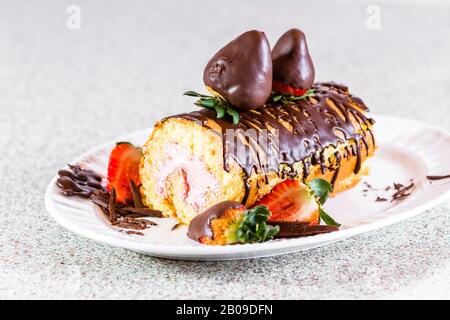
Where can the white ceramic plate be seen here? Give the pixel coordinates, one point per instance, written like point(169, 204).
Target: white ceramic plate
point(406, 150)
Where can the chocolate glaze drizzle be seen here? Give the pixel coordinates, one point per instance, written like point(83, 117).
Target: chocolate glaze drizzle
point(79, 182)
point(200, 226)
point(302, 131)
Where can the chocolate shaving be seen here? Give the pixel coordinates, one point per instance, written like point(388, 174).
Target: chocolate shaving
point(398, 186)
point(101, 198)
point(434, 178)
point(137, 199)
point(381, 199)
point(99, 202)
point(144, 212)
point(78, 182)
point(123, 216)
point(84, 183)
point(149, 223)
point(368, 185)
point(132, 232)
point(137, 215)
point(132, 224)
point(290, 229)
point(112, 206)
point(402, 191)
point(175, 226)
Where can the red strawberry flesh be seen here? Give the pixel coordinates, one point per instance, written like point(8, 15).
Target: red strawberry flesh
point(286, 89)
point(291, 200)
point(123, 167)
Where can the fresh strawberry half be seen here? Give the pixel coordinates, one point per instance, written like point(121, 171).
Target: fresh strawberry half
point(291, 200)
point(123, 167)
point(286, 89)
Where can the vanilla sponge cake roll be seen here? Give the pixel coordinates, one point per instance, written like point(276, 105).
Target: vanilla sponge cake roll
point(193, 160)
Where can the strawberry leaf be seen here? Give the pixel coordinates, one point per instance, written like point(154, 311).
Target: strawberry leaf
point(221, 106)
point(253, 227)
point(207, 102)
point(321, 189)
point(325, 217)
point(199, 103)
point(234, 114)
point(195, 94)
point(220, 112)
point(290, 99)
point(276, 98)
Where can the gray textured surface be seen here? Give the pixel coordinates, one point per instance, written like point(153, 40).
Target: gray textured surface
point(62, 92)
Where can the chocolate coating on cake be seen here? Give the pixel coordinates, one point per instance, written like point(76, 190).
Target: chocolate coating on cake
point(241, 72)
point(200, 226)
point(304, 131)
point(292, 64)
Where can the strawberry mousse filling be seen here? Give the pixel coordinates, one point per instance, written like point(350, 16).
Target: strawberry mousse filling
point(197, 180)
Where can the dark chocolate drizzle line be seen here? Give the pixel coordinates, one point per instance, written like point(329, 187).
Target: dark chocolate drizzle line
point(314, 125)
point(337, 169)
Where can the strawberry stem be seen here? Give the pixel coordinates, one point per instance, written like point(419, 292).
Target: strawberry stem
point(321, 190)
point(290, 99)
point(219, 105)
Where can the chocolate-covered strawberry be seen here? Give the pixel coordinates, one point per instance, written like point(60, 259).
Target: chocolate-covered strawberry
point(229, 222)
point(293, 69)
point(241, 72)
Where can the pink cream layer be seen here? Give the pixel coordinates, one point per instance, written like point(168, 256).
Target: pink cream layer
point(197, 180)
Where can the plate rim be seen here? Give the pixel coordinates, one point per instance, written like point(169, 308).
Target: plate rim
point(235, 252)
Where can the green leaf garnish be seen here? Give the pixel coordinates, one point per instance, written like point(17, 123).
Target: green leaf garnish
point(290, 99)
point(209, 102)
point(234, 114)
point(276, 98)
point(321, 190)
point(195, 94)
point(221, 106)
point(252, 228)
point(325, 217)
point(220, 112)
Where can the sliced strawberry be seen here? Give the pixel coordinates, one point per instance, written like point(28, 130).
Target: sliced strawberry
point(123, 167)
point(286, 89)
point(291, 200)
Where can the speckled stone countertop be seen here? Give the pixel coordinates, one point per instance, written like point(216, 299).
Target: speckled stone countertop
point(64, 91)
